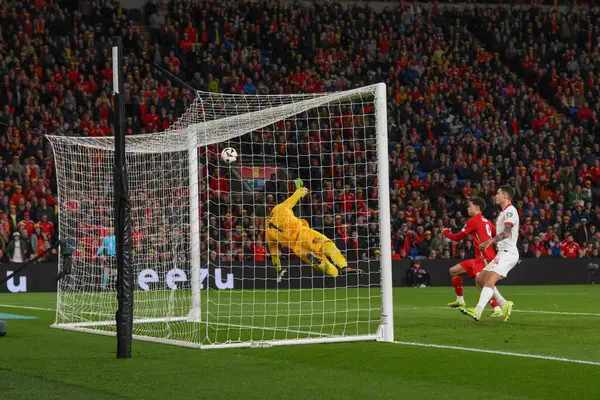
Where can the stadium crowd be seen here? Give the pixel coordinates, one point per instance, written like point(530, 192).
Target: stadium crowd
point(461, 122)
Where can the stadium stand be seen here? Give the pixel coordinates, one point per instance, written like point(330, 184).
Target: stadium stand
point(559, 55)
point(462, 122)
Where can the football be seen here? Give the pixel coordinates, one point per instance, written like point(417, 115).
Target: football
point(229, 155)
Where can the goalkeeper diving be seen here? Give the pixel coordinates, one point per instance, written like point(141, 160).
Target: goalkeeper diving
point(314, 248)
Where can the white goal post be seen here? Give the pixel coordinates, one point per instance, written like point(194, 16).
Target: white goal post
point(203, 273)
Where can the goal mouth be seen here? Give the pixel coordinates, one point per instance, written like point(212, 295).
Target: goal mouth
point(227, 344)
point(268, 336)
point(202, 262)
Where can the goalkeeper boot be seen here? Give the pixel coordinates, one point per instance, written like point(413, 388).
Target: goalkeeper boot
point(348, 270)
point(507, 310)
point(471, 312)
point(281, 274)
point(456, 304)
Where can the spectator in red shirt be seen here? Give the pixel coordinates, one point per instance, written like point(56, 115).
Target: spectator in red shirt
point(538, 246)
point(28, 224)
point(47, 227)
point(17, 196)
point(260, 251)
point(219, 184)
point(347, 200)
point(570, 249)
point(584, 112)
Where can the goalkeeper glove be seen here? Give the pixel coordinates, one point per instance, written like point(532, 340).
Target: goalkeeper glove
point(299, 183)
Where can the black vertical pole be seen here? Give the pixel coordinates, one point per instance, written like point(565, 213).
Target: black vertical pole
point(124, 316)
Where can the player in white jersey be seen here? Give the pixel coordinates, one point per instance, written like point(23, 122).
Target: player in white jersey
point(507, 256)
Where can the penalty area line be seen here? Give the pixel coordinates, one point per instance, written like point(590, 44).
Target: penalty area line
point(498, 352)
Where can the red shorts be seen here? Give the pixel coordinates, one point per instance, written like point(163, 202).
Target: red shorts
point(473, 267)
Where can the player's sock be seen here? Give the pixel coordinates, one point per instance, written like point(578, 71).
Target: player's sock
point(495, 305)
point(457, 282)
point(498, 297)
point(105, 278)
point(484, 298)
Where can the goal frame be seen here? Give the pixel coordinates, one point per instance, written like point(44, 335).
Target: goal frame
point(385, 331)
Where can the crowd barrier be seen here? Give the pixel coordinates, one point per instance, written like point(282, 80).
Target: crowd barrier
point(545, 271)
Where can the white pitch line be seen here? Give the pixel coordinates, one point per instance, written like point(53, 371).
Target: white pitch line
point(557, 312)
point(27, 307)
point(211, 323)
point(545, 312)
point(555, 294)
point(439, 346)
point(543, 294)
point(514, 310)
point(399, 308)
point(498, 352)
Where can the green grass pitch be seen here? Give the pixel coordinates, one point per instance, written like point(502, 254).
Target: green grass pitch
point(37, 362)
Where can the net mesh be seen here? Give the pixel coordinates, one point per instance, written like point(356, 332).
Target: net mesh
point(200, 258)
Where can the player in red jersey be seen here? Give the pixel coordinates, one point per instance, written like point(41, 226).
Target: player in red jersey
point(481, 230)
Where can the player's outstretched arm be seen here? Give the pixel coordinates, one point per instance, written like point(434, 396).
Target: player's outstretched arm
point(291, 201)
point(505, 234)
point(455, 237)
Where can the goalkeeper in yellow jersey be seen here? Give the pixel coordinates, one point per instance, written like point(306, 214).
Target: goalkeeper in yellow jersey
point(314, 248)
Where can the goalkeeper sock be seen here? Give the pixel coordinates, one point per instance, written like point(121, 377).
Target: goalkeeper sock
point(105, 278)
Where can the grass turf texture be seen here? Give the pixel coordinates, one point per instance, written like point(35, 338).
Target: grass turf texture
point(43, 363)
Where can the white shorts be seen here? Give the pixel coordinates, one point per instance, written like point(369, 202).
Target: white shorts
point(503, 263)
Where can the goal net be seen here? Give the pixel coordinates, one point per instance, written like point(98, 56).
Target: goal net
point(203, 273)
